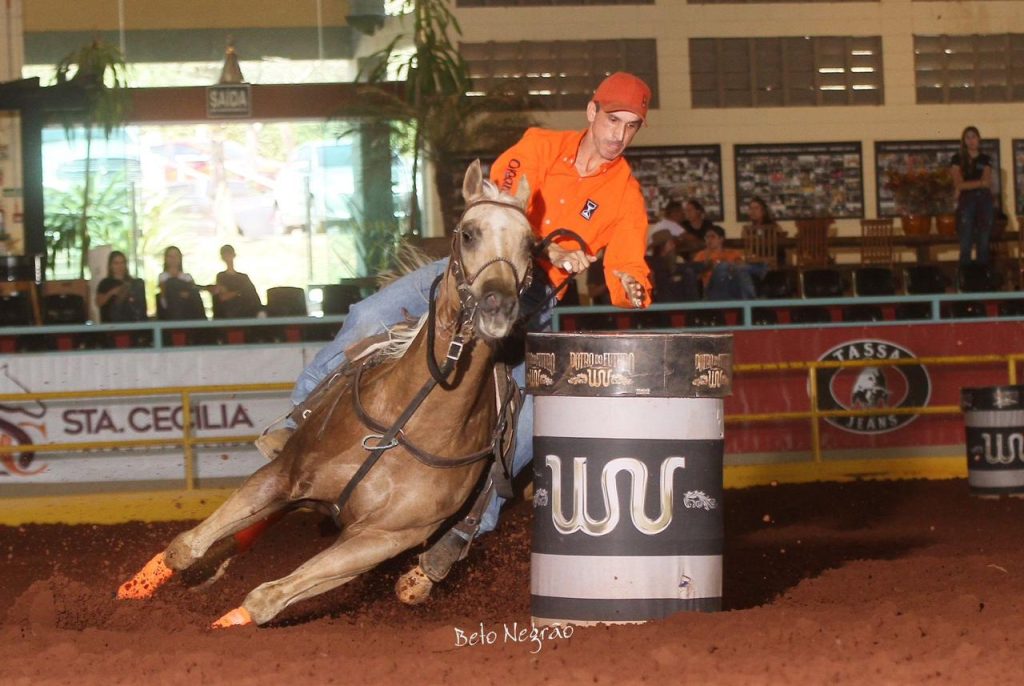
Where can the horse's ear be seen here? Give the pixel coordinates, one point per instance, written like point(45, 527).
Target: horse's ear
point(473, 183)
point(523, 192)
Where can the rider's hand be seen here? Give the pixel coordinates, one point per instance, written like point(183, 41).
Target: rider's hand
point(634, 289)
point(571, 261)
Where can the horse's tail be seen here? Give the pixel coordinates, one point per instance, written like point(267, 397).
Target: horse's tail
point(408, 258)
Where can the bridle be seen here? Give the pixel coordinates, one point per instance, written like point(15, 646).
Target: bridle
point(464, 282)
point(503, 437)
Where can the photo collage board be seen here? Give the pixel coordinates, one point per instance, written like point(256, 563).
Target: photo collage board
point(801, 180)
point(902, 156)
point(679, 172)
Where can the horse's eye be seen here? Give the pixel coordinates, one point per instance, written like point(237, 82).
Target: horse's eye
point(467, 236)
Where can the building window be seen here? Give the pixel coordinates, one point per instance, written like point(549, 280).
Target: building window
point(969, 68)
point(547, 3)
point(562, 75)
point(803, 71)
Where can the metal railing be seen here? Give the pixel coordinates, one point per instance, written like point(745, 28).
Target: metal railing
point(815, 414)
point(188, 441)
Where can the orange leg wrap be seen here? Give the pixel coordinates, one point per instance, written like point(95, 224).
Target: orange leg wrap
point(237, 617)
point(141, 586)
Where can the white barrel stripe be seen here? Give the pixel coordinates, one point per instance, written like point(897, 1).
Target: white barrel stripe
point(996, 478)
point(993, 419)
point(625, 577)
point(626, 418)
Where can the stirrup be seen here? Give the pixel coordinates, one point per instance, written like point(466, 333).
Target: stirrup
point(438, 560)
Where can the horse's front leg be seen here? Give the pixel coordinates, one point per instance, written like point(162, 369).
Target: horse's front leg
point(355, 552)
point(261, 496)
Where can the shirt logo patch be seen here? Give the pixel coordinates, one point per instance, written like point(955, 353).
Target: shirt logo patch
point(589, 207)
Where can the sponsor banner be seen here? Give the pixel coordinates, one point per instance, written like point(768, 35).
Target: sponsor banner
point(874, 386)
point(138, 418)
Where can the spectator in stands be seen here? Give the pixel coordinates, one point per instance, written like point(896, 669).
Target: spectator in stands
point(762, 220)
point(972, 180)
point(234, 296)
point(674, 279)
point(119, 296)
point(179, 297)
point(670, 223)
point(696, 223)
point(723, 271)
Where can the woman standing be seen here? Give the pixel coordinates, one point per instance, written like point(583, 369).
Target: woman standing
point(972, 178)
point(119, 296)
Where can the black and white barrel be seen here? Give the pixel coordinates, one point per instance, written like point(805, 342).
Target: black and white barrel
point(627, 455)
point(994, 420)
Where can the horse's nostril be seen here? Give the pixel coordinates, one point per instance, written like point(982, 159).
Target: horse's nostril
point(496, 303)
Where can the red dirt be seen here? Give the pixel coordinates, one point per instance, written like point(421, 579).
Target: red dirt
point(875, 582)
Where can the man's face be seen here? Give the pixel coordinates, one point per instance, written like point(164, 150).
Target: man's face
point(713, 240)
point(693, 215)
point(612, 132)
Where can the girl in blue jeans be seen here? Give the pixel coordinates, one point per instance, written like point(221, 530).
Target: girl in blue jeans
point(972, 178)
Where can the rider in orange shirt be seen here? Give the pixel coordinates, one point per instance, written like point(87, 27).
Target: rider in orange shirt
point(581, 182)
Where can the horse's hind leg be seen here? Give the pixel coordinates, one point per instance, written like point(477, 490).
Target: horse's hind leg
point(261, 496)
point(354, 553)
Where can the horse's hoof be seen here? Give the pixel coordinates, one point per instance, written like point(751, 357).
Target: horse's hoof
point(237, 617)
point(413, 587)
point(144, 584)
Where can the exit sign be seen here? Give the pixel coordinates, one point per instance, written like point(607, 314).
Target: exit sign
point(228, 101)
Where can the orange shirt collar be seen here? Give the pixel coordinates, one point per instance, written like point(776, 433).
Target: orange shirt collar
point(571, 147)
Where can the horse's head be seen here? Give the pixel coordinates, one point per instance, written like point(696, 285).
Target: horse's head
point(491, 258)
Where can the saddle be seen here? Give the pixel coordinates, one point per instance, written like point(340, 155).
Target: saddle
point(368, 354)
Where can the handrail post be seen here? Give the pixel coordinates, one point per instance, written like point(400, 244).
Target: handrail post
point(812, 372)
point(1011, 363)
point(186, 436)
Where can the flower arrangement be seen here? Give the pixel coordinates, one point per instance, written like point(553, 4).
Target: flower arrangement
point(921, 191)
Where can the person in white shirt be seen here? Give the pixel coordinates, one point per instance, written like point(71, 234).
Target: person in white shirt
point(671, 221)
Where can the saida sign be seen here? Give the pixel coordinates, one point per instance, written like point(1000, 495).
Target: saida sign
point(225, 102)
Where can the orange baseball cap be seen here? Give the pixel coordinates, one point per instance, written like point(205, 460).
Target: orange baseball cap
point(622, 91)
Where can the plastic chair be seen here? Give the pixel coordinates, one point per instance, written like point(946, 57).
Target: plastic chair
point(974, 278)
point(821, 283)
point(286, 301)
point(870, 281)
point(21, 289)
point(338, 298)
point(777, 285)
point(703, 318)
point(921, 279)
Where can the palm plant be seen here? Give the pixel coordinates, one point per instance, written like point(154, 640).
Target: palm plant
point(98, 70)
point(433, 111)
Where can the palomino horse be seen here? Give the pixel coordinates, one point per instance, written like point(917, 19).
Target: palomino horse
point(413, 488)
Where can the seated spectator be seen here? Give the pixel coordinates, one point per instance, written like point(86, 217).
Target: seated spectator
point(762, 221)
point(234, 296)
point(179, 297)
point(670, 222)
point(119, 296)
point(696, 223)
point(724, 272)
point(673, 279)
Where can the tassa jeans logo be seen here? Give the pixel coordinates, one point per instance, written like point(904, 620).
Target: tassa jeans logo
point(581, 520)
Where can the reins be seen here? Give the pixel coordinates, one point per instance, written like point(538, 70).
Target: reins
point(439, 374)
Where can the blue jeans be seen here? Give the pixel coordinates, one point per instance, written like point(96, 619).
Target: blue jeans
point(730, 281)
point(411, 295)
point(974, 215)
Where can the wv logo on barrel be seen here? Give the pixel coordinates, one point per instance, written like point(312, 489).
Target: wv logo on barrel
point(581, 520)
point(998, 447)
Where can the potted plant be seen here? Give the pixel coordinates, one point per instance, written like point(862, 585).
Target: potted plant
point(98, 70)
point(434, 112)
point(921, 194)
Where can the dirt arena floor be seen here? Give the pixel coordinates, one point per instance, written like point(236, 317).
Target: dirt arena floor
point(873, 582)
